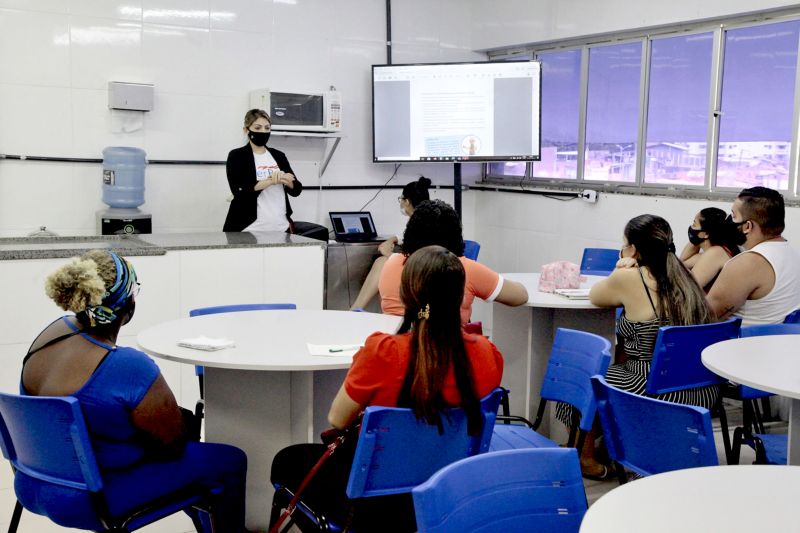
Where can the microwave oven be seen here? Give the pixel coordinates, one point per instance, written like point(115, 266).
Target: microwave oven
point(319, 111)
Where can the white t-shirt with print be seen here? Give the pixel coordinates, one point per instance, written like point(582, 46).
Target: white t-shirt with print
point(271, 201)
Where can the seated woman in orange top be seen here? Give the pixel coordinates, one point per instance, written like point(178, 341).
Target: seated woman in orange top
point(435, 222)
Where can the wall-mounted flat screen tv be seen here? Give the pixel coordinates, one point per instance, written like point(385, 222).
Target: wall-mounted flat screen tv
point(446, 112)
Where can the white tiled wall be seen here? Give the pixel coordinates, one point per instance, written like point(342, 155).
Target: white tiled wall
point(512, 22)
point(204, 56)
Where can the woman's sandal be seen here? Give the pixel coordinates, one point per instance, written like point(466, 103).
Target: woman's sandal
point(607, 475)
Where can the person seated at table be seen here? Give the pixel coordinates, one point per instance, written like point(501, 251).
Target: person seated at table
point(142, 440)
point(430, 364)
point(413, 194)
point(654, 289)
point(762, 284)
point(435, 222)
point(712, 242)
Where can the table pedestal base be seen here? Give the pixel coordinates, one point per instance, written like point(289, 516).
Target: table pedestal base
point(262, 413)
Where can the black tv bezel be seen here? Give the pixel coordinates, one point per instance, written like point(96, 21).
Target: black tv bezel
point(460, 159)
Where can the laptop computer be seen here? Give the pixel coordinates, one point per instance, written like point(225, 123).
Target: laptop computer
point(353, 226)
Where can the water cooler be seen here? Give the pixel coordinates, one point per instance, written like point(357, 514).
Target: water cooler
point(123, 192)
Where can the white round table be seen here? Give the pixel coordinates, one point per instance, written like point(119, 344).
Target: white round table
point(525, 335)
point(267, 391)
point(740, 498)
point(770, 363)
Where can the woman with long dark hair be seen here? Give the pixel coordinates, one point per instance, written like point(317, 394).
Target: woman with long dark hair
point(712, 241)
point(430, 365)
point(655, 289)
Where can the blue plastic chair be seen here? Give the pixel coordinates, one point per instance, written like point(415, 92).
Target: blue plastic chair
point(576, 356)
point(532, 490)
point(236, 308)
point(650, 436)
point(677, 364)
point(793, 317)
point(599, 261)
point(45, 438)
point(471, 250)
point(396, 452)
point(770, 449)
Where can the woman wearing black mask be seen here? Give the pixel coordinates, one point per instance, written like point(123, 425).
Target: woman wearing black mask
point(261, 181)
point(712, 242)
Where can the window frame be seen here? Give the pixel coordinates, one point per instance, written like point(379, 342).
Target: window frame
point(718, 28)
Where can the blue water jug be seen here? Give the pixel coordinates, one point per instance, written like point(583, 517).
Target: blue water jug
point(123, 176)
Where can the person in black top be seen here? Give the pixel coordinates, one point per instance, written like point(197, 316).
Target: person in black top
point(261, 180)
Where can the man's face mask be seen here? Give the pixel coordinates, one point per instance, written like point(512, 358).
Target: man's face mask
point(741, 237)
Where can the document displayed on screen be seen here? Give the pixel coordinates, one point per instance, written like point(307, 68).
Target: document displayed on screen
point(456, 112)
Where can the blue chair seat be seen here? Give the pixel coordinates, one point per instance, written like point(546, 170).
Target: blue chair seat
point(515, 437)
point(574, 358)
point(771, 449)
point(57, 475)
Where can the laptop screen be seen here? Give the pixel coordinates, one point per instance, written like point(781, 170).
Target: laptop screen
point(353, 224)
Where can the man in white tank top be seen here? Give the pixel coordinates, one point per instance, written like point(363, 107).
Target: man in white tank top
point(762, 284)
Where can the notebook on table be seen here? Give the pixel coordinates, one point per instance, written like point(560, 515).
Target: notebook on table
point(353, 226)
point(574, 294)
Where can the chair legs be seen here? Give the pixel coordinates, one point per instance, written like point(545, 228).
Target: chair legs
point(726, 438)
point(15, 517)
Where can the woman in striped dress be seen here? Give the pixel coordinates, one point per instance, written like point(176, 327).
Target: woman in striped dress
point(654, 289)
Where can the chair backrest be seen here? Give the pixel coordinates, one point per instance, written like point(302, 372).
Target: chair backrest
point(531, 489)
point(238, 308)
point(651, 436)
point(396, 452)
point(793, 317)
point(676, 357)
point(758, 330)
point(471, 249)
point(576, 356)
point(599, 261)
point(46, 438)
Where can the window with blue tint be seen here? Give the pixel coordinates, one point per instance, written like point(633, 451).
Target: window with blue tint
point(758, 84)
point(561, 87)
point(612, 112)
point(677, 110)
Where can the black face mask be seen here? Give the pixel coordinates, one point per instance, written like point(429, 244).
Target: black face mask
point(740, 237)
point(259, 138)
point(694, 236)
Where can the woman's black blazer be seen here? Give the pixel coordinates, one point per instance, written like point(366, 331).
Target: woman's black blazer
point(241, 171)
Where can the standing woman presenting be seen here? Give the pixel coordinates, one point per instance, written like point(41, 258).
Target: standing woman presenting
point(261, 181)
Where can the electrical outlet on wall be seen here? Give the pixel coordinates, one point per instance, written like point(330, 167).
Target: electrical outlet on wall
point(589, 195)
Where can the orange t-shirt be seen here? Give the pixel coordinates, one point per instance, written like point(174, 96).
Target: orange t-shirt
point(379, 368)
point(481, 281)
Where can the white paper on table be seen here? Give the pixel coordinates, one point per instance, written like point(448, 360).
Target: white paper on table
point(207, 344)
point(333, 350)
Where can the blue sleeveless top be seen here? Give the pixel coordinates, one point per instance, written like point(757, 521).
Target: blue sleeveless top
point(112, 392)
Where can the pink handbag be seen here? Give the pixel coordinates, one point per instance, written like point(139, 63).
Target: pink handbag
point(560, 275)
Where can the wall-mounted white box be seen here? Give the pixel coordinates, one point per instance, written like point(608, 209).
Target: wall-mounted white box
point(130, 96)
